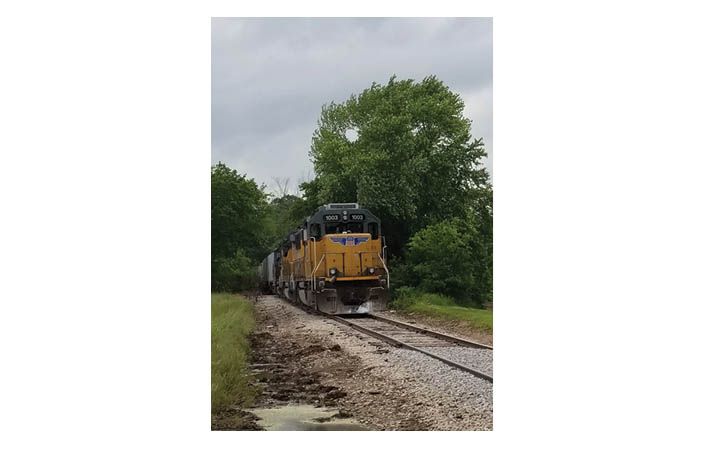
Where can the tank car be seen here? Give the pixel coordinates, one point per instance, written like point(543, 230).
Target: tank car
point(268, 272)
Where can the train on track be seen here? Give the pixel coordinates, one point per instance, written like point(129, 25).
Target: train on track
point(335, 262)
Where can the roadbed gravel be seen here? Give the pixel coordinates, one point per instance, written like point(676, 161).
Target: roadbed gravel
point(480, 359)
point(302, 358)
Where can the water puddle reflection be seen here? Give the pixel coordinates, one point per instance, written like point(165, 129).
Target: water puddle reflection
point(304, 418)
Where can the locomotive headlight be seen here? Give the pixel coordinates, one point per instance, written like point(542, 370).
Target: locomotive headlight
point(371, 270)
point(333, 271)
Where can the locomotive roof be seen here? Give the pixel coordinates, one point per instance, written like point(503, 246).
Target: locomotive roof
point(341, 209)
point(331, 208)
point(339, 206)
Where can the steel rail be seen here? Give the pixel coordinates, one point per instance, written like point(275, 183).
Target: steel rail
point(394, 342)
point(435, 334)
point(401, 344)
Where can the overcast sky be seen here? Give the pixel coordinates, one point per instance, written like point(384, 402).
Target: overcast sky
point(270, 77)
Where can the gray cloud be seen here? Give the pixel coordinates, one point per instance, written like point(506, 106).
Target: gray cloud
point(270, 77)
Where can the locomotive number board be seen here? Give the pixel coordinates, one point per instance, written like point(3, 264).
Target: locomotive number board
point(336, 217)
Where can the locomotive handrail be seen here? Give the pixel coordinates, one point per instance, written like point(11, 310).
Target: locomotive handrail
point(386, 271)
point(315, 256)
point(312, 275)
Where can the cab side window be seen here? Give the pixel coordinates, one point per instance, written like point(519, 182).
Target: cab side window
point(315, 231)
point(373, 230)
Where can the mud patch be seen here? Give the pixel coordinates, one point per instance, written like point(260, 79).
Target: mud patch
point(288, 368)
point(311, 350)
point(285, 371)
point(235, 419)
point(292, 368)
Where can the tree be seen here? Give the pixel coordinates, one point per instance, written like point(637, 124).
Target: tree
point(286, 215)
point(280, 186)
point(413, 161)
point(454, 258)
point(239, 220)
point(234, 273)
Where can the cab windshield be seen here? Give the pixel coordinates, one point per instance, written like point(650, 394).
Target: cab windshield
point(338, 228)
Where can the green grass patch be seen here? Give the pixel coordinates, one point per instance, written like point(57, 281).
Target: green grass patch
point(440, 306)
point(232, 321)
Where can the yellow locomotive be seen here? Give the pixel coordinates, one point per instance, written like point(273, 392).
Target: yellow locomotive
point(334, 263)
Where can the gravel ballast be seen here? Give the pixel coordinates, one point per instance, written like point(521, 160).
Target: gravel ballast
point(387, 388)
point(480, 359)
point(473, 391)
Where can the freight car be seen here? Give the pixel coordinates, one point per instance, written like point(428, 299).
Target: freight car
point(267, 274)
point(335, 262)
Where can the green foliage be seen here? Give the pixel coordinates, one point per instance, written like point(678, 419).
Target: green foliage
point(239, 215)
point(232, 321)
point(404, 297)
point(399, 276)
point(408, 296)
point(239, 220)
point(413, 163)
point(286, 214)
point(233, 274)
point(452, 257)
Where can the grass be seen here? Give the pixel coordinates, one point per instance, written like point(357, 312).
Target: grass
point(232, 321)
point(477, 318)
point(442, 307)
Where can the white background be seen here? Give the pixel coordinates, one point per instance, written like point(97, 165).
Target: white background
point(604, 223)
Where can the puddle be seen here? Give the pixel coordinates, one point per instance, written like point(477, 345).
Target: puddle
point(303, 418)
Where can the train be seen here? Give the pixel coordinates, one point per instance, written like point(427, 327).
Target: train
point(334, 263)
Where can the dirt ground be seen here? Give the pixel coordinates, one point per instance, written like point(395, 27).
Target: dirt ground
point(300, 358)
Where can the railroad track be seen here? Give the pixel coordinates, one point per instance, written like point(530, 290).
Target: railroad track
point(403, 335)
